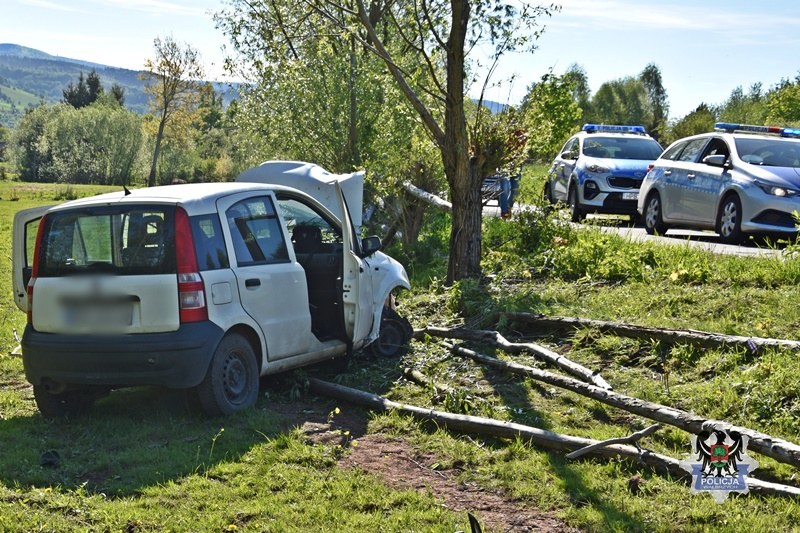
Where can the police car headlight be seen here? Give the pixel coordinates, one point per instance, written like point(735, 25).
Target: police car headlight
point(597, 169)
point(776, 191)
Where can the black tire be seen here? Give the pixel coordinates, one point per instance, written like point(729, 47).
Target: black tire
point(548, 193)
point(729, 220)
point(394, 335)
point(231, 383)
point(65, 404)
point(652, 218)
point(576, 213)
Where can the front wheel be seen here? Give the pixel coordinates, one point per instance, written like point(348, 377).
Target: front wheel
point(394, 336)
point(231, 383)
point(576, 213)
point(729, 220)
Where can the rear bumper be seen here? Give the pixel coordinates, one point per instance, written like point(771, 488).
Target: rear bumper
point(177, 359)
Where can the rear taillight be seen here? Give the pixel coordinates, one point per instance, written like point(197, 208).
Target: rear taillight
point(34, 269)
point(191, 291)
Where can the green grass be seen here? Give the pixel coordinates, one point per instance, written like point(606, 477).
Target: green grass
point(145, 460)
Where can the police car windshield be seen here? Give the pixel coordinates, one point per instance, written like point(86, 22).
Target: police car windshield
point(769, 152)
point(643, 148)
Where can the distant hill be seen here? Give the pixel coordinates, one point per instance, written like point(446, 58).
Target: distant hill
point(29, 77)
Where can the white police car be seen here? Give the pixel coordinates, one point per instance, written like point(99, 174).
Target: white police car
point(600, 169)
point(738, 180)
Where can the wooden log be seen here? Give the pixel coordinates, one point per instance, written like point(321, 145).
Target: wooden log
point(427, 197)
point(779, 449)
point(634, 439)
point(703, 339)
point(496, 339)
point(539, 437)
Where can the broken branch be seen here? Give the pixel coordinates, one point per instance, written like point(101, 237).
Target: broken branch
point(496, 339)
point(630, 439)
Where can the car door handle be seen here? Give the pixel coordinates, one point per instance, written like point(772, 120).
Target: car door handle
point(668, 173)
point(252, 282)
point(691, 176)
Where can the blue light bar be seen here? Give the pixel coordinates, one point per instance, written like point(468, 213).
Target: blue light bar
point(730, 127)
point(613, 128)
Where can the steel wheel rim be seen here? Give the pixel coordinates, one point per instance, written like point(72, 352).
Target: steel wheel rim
point(234, 377)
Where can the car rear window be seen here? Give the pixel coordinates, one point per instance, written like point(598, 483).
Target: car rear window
point(123, 240)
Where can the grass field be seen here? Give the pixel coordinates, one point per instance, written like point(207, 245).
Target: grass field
point(146, 460)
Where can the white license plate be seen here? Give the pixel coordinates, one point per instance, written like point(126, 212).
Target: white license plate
point(114, 314)
point(630, 196)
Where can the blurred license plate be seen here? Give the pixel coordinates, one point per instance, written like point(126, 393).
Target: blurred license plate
point(630, 196)
point(100, 314)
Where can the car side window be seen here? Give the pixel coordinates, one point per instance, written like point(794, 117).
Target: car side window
point(674, 151)
point(209, 244)
point(716, 146)
point(310, 230)
point(256, 232)
point(571, 149)
point(692, 149)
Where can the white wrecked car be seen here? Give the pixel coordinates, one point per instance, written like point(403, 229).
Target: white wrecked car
point(204, 286)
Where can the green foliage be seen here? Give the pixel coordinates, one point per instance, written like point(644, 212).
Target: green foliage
point(551, 115)
point(97, 144)
point(85, 91)
point(783, 104)
point(749, 108)
point(701, 120)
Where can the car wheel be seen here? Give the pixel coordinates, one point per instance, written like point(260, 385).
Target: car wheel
point(64, 404)
point(652, 218)
point(394, 335)
point(574, 207)
point(231, 383)
point(729, 220)
point(548, 194)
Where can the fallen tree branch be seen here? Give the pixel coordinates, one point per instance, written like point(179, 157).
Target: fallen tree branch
point(427, 197)
point(699, 338)
point(779, 449)
point(496, 339)
point(633, 438)
point(540, 437)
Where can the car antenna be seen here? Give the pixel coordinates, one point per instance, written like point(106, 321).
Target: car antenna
point(127, 192)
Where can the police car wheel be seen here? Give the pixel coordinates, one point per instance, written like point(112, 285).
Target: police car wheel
point(577, 214)
point(729, 220)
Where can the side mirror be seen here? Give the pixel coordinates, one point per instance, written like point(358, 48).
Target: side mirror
point(370, 245)
point(568, 155)
point(717, 160)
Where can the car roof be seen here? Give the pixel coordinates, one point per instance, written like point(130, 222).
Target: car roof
point(196, 198)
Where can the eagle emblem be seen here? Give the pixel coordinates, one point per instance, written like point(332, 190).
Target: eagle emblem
point(719, 463)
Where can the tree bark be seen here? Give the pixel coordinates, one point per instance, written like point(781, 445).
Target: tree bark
point(496, 339)
point(689, 336)
point(151, 179)
point(427, 197)
point(539, 437)
point(779, 449)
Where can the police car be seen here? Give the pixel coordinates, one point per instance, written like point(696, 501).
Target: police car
point(600, 169)
point(738, 180)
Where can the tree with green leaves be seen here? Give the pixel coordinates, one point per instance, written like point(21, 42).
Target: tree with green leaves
point(701, 120)
point(745, 108)
point(658, 112)
point(423, 46)
point(551, 114)
point(783, 104)
point(172, 80)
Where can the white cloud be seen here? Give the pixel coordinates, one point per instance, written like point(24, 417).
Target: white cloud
point(46, 4)
point(161, 7)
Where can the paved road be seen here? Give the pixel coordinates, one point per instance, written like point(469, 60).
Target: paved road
point(699, 239)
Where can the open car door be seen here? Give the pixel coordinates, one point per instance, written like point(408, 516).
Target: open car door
point(356, 291)
point(23, 243)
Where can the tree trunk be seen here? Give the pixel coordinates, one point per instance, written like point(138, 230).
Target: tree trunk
point(779, 449)
point(462, 175)
point(354, 154)
point(539, 437)
point(151, 180)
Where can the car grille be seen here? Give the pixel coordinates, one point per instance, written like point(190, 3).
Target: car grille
point(621, 182)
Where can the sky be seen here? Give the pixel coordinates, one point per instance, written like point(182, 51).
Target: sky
point(703, 49)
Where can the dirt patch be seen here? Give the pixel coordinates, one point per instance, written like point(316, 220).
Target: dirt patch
point(400, 466)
